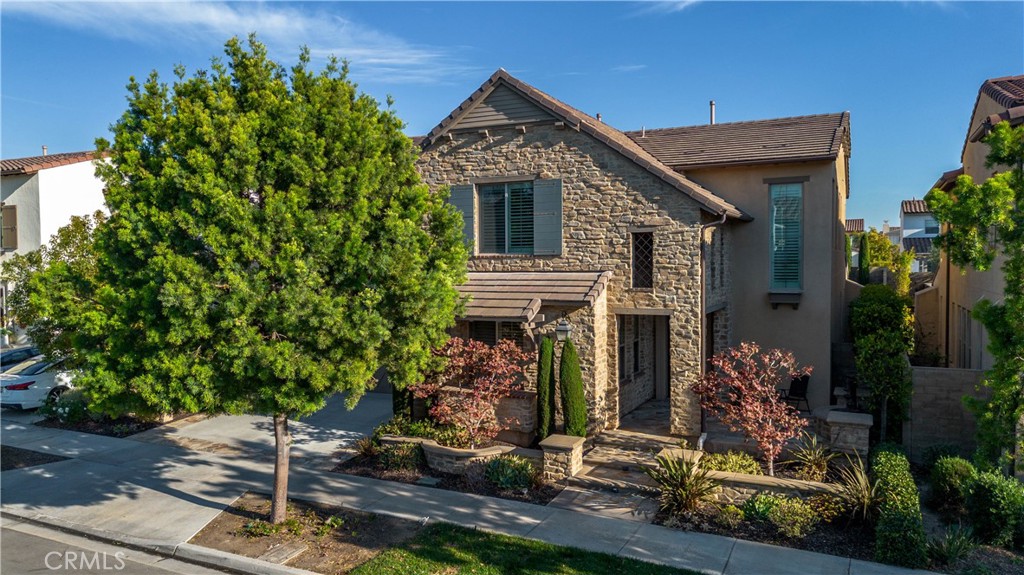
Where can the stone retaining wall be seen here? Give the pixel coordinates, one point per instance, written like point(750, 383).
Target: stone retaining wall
point(937, 413)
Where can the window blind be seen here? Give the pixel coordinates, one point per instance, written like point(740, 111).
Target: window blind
point(786, 235)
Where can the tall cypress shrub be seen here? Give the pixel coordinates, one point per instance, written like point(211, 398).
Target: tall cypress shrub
point(574, 404)
point(546, 389)
point(864, 261)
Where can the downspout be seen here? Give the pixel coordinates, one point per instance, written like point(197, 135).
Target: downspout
point(704, 306)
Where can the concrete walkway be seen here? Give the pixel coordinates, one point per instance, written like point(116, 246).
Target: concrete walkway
point(159, 496)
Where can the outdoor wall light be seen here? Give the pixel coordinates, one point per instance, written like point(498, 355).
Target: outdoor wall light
point(563, 329)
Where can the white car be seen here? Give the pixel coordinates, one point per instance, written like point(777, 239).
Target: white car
point(33, 381)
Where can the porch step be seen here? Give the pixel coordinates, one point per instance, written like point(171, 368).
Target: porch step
point(635, 441)
point(618, 479)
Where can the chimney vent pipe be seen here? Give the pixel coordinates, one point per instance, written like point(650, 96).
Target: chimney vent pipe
point(599, 117)
point(44, 150)
point(712, 112)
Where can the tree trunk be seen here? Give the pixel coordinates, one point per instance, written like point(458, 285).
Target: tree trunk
point(771, 467)
point(279, 504)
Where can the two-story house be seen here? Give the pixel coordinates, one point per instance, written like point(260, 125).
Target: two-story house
point(658, 247)
point(38, 195)
point(917, 228)
point(944, 312)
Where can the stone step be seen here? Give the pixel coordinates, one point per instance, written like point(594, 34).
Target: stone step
point(604, 477)
point(634, 440)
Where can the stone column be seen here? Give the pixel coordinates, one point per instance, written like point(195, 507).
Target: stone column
point(563, 456)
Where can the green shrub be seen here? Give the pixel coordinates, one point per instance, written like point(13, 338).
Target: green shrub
point(367, 447)
point(858, 494)
point(683, 485)
point(71, 407)
point(401, 457)
point(899, 533)
point(510, 472)
point(879, 306)
point(759, 507)
point(812, 458)
point(827, 506)
point(447, 435)
point(546, 389)
point(574, 402)
point(951, 478)
point(259, 528)
point(995, 506)
point(793, 518)
point(731, 462)
point(955, 544)
point(730, 516)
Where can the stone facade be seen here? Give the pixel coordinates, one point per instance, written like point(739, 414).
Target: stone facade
point(605, 197)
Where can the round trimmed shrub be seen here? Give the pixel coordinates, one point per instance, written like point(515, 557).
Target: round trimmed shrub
point(951, 479)
point(995, 506)
point(793, 518)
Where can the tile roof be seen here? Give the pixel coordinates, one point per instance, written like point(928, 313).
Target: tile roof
point(519, 295)
point(1007, 91)
point(801, 138)
point(919, 245)
point(947, 179)
point(33, 164)
point(856, 225)
point(602, 132)
point(914, 206)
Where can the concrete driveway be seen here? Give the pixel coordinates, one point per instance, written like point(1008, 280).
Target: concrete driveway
point(318, 440)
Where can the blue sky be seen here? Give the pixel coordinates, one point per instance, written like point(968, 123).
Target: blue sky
point(908, 72)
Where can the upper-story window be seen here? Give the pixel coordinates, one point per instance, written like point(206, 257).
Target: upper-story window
point(518, 217)
point(643, 259)
point(786, 236)
point(931, 227)
point(506, 218)
point(9, 232)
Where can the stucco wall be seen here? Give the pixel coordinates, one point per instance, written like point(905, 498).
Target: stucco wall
point(65, 191)
point(604, 197)
point(809, 330)
point(23, 192)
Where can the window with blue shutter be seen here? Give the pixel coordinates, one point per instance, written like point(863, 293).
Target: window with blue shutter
point(514, 217)
point(786, 243)
point(462, 198)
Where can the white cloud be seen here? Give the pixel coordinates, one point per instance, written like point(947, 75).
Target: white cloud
point(667, 6)
point(283, 28)
point(626, 68)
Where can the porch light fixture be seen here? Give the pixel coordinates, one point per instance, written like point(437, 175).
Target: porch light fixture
point(563, 329)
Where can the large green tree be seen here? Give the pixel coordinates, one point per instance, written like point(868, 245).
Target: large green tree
point(270, 244)
point(984, 220)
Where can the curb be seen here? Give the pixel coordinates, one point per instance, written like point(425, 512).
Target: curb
point(185, 552)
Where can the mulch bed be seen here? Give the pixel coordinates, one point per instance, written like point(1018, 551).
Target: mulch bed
point(365, 466)
point(347, 541)
point(837, 538)
point(18, 458)
point(120, 427)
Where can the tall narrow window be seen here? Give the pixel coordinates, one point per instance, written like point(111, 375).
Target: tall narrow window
point(786, 236)
point(9, 233)
point(643, 259)
point(622, 346)
point(506, 218)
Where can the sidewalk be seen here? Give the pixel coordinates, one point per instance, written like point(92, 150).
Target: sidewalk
point(155, 494)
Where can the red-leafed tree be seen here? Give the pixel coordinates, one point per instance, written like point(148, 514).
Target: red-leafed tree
point(742, 390)
point(484, 374)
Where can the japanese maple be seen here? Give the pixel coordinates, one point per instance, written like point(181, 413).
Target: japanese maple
point(483, 375)
point(741, 389)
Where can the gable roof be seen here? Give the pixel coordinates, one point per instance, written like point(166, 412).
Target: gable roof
point(855, 225)
point(584, 123)
point(914, 206)
point(801, 138)
point(1007, 91)
point(33, 164)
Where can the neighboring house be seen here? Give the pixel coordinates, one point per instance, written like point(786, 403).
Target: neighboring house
point(854, 228)
point(918, 226)
point(39, 195)
point(659, 247)
point(893, 233)
point(944, 311)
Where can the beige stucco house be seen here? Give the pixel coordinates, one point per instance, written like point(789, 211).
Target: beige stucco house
point(659, 247)
point(944, 311)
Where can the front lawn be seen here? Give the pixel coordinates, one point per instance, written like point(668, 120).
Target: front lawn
point(453, 550)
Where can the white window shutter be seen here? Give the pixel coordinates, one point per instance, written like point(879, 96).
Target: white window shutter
point(462, 198)
point(547, 217)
